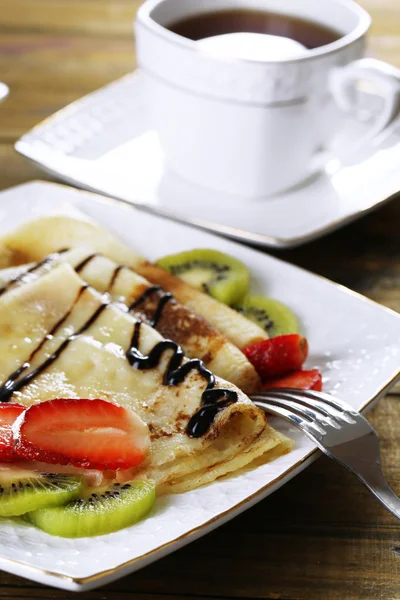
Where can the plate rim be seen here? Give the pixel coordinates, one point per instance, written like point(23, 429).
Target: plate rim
point(23, 148)
point(191, 535)
point(81, 583)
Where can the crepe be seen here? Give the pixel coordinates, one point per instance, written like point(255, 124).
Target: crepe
point(61, 338)
point(172, 319)
point(34, 240)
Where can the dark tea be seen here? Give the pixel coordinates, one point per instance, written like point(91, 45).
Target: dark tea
point(309, 33)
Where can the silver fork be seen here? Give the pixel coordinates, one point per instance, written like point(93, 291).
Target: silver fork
point(338, 430)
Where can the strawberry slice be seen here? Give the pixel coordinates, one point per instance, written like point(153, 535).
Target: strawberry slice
point(300, 380)
point(277, 356)
point(8, 414)
point(92, 434)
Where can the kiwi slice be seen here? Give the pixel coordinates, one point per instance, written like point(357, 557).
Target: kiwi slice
point(97, 511)
point(22, 491)
point(271, 315)
point(216, 273)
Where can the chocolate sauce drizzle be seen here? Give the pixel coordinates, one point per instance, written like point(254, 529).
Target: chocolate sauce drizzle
point(146, 294)
point(36, 267)
point(164, 298)
point(114, 276)
point(160, 307)
point(213, 399)
point(15, 383)
point(80, 266)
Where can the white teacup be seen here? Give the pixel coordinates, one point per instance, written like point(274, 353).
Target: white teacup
point(255, 127)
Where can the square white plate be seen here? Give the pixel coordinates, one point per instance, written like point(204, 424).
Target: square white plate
point(355, 342)
point(104, 142)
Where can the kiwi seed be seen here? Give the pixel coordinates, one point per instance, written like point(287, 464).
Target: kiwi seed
point(24, 491)
point(98, 512)
point(218, 274)
point(271, 315)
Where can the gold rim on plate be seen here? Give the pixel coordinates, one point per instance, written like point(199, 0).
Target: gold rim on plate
point(192, 532)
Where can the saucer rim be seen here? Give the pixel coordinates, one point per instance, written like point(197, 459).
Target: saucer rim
point(25, 148)
point(241, 235)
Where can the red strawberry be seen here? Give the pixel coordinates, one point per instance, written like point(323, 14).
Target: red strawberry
point(8, 414)
point(278, 355)
point(93, 434)
point(300, 380)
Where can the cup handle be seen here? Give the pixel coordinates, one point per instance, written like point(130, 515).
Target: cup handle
point(384, 77)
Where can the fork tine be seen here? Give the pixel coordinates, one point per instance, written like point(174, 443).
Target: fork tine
point(321, 396)
point(280, 411)
point(355, 445)
point(292, 396)
point(309, 418)
point(312, 408)
point(335, 416)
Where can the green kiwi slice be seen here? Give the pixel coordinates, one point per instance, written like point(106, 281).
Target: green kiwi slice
point(271, 315)
point(23, 491)
point(216, 273)
point(97, 511)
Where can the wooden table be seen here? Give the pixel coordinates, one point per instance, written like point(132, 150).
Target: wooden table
point(322, 536)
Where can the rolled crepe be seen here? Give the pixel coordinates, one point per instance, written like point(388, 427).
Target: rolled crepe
point(61, 338)
point(34, 240)
point(172, 319)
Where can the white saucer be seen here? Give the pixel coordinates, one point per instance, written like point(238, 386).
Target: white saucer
point(104, 143)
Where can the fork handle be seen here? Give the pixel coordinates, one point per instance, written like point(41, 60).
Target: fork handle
point(375, 481)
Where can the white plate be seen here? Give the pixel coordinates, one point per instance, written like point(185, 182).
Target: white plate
point(104, 143)
point(355, 342)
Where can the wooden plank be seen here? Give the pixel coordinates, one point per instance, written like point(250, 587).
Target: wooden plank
point(45, 72)
point(387, 47)
point(364, 256)
point(100, 18)
point(104, 18)
point(13, 588)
